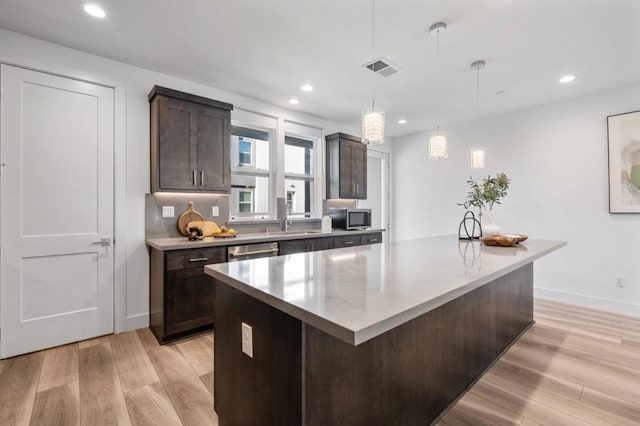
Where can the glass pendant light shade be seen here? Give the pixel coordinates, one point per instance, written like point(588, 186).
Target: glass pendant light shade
point(478, 157)
point(438, 146)
point(372, 127)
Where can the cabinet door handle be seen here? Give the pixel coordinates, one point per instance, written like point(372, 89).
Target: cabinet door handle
point(373, 240)
point(193, 177)
point(201, 177)
point(199, 259)
point(346, 243)
point(357, 188)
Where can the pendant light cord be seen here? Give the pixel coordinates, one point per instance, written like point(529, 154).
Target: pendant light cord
point(373, 41)
point(477, 93)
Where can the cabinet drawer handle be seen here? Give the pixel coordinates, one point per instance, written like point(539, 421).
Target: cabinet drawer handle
point(373, 240)
point(199, 259)
point(201, 177)
point(193, 177)
point(346, 243)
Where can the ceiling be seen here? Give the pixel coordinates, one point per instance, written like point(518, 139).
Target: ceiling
point(267, 49)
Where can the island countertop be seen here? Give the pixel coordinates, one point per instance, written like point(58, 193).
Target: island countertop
point(358, 293)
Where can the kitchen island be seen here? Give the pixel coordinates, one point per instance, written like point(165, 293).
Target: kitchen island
point(384, 334)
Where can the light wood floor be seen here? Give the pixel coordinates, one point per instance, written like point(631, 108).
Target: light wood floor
point(575, 366)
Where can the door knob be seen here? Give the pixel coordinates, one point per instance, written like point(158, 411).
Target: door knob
point(104, 242)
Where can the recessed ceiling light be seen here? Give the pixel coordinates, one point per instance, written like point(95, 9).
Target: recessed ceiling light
point(402, 121)
point(567, 78)
point(94, 10)
point(306, 87)
point(294, 101)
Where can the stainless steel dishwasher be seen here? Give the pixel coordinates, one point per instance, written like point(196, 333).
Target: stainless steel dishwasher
point(252, 251)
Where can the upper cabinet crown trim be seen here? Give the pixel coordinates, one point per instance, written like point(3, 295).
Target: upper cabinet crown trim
point(164, 91)
point(343, 136)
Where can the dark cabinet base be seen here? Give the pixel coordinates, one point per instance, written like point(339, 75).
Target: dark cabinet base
point(181, 295)
point(406, 376)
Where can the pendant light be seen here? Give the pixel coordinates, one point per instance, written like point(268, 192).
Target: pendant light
point(372, 120)
point(478, 154)
point(438, 142)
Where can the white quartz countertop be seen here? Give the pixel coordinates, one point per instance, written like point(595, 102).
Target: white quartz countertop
point(358, 293)
point(180, 243)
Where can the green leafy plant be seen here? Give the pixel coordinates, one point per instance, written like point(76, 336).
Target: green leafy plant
point(485, 194)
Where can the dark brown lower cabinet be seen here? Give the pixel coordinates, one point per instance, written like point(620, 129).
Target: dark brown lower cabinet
point(347, 241)
point(305, 245)
point(181, 295)
point(409, 375)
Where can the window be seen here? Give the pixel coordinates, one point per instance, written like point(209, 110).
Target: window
point(245, 152)
point(250, 173)
point(299, 176)
point(245, 201)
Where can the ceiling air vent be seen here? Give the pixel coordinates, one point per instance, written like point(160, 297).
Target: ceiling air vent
point(382, 66)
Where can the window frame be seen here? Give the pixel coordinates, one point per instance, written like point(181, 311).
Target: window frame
point(314, 177)
point(252, 153)
point(250, 171)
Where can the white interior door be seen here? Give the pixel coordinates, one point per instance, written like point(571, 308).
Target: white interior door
point(56, 213)
point(377, 189)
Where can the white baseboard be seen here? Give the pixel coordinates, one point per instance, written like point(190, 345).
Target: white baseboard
point(137, 321)
point(610, 305)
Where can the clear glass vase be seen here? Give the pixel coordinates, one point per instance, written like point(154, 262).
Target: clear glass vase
point(489, 224)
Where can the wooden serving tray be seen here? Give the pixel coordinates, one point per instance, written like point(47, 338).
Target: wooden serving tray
point(225, 235)
point(503, 240)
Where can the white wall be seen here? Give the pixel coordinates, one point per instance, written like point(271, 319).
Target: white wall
point(132, 85)
point(556, 156)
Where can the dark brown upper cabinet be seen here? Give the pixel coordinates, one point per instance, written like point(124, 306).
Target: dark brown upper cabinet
point(346, 167)
point(190, 142)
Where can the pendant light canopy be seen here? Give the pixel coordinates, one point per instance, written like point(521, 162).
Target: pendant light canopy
point(478, 154)
point(438, 146)
point(372, 120)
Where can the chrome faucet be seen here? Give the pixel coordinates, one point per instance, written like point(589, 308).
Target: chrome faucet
point(287, 225)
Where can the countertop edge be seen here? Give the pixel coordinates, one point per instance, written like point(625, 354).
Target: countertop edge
point(361, 335)
point(183, 244)
point(374, 330)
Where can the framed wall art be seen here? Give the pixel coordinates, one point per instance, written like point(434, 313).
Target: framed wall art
point(623, 132)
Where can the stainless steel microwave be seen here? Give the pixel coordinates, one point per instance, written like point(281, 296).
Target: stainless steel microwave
point(344, 218)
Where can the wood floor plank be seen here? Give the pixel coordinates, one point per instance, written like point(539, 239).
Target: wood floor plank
point(199, 353)
point(207, 379)
point(620, 354)
point(57, 406)
point(150, 406)
point(480, 411)
point(18, 385)
point(613, 405)
point(148, 340)
point(569, 327)
point(92, 342)
point(527, 408)
point(133, 364)
point(519, 379)
point(59, 367)
point(623, 332)
point(191, 399)
point(631, 342)
point(579, 368)
point(101, 398)
point(565, 401)
point(542, 333)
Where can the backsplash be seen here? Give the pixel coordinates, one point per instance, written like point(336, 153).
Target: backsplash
point(158, 227)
